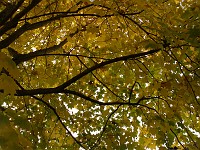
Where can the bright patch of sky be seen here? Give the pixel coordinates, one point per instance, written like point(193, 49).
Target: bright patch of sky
point(34, 49)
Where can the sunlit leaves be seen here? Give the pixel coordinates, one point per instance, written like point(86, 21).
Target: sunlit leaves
point(7, 83)
point(9, 138)
point(9, 65)
point(141, 102)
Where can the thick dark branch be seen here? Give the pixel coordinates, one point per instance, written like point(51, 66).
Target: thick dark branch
point(123, 58)
point(13, 23)
point(137, 104)
point(47, 91)
point(6, 42)
point(25, 57)
point(60, 88)
point(11, 38)
point(9, 11)
point(26, 10)
point(26, 27)
point(37, 91)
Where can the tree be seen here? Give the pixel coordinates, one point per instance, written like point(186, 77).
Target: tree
point(95, 74)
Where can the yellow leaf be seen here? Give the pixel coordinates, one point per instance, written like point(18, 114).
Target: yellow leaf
point(9, 65)
point(7, 84)
point(70, 141)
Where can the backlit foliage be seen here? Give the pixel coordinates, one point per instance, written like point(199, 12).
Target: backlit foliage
point(99, 74)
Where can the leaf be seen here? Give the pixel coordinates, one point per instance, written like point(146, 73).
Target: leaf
point(70, 141)
point(114, 74)
point(9, 65)
point(8, 136)
point(7, 84)
point(22, 122)
point(194, 32)
point(150, 44)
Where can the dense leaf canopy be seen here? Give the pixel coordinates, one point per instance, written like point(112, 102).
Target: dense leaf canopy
point(99, 74)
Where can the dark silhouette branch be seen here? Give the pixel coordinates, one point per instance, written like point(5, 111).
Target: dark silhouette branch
point(61, 87)
point(13, 22)
point(27, 26)
point(9, 11)
point(104, 128)
point(25, 57)
point(123, 58)
point(12, 37)
point(178, 139)
point(58, 117)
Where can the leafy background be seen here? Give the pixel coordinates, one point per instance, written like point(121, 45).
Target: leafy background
point(113, 74)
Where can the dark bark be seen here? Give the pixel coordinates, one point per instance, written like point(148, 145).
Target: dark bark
point(60, 88)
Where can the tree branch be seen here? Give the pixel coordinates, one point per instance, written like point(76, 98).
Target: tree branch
point(25, 57)
point(123, 58)
point(13, 23)
point(60, 88)
point(104, 128)
point(58, 117)
point(178, 139)
point(9, 11)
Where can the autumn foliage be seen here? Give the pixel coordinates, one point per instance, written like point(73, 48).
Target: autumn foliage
point(99, 74)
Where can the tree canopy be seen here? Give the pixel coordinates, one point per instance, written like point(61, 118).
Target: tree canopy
point(99, 74)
